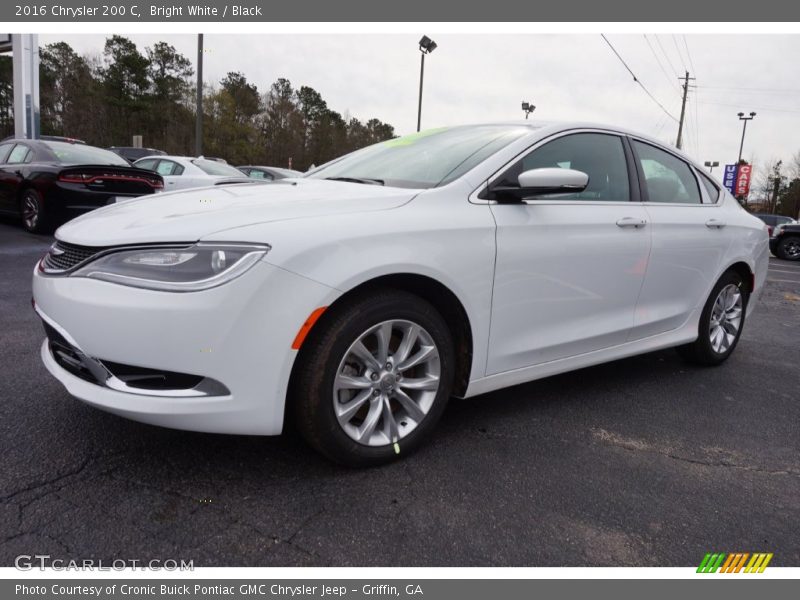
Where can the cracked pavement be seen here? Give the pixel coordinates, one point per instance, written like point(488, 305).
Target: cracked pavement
point(645, 461)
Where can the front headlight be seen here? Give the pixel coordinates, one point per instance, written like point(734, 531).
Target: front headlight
point(177, 269)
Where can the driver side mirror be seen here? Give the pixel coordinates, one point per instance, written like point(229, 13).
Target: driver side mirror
point(541, 182)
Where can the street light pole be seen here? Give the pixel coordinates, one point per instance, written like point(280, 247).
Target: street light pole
point(744, 130)
point(198, 130)
point(426, 46)
point(711, 165)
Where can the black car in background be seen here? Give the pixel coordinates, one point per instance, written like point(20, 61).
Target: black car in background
point(785, 241)
point(773, 220)
point(132, 154)
point(47, 182)
point(268, 173)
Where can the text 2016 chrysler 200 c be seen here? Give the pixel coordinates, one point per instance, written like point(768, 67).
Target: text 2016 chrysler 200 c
point(359, 298)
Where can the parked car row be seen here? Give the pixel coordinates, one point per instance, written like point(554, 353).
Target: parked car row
point(50, 180)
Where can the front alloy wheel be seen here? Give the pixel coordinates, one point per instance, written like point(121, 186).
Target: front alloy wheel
point(373, 377)
point(387, 382)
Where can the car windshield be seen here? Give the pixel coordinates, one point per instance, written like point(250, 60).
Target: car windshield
point(213, 167)
point(422, 160)
point(79, 154)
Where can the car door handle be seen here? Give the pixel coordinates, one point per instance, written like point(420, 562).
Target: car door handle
point(631, 222)
point(715, 224)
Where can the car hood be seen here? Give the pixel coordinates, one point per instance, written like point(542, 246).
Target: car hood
point(189, 215)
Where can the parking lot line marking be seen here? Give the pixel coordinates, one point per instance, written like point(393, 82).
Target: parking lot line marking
point(783, 280)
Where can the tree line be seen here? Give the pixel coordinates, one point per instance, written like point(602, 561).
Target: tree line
point(106, 99)
point(777, 187)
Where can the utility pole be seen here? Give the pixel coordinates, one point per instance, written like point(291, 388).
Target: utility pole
point(685, 86)
point(198, 131)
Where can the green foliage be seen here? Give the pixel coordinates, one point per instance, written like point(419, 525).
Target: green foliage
point(107, 100)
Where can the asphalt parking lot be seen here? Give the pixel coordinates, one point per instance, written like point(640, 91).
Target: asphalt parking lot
point(641, 462)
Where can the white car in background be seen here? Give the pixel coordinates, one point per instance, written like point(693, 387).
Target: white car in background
point(359, 298)
point(183, 172)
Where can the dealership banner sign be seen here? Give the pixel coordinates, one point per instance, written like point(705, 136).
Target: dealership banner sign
point(743, 176)
point(729, 178)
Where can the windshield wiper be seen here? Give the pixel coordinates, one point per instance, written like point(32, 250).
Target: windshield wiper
point(365, 180)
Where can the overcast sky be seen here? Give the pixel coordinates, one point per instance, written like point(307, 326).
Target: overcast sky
point(474, 78)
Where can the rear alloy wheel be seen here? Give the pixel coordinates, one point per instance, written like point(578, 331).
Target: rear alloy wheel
point(721, 322)
point(373, 378)
point(789, 248)
point(32, 211)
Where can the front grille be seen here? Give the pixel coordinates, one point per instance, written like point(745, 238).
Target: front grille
point(63, 256)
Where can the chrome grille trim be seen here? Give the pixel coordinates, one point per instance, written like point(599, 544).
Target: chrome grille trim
point(63, 257)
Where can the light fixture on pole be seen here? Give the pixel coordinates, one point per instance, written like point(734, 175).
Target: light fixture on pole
point(528, 108)
point(711, 165)
point(426, 46)
point(744, 130)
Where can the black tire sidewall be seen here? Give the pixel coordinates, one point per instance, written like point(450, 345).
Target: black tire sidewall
point(313, 397)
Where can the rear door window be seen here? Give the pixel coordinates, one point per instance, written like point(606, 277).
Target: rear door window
point(668, 179)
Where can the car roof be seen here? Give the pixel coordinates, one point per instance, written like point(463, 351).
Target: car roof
point(544, 128)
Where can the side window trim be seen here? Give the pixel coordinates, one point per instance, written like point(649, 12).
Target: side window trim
point(640, 171)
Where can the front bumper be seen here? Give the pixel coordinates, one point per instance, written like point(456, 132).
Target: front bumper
point(237, 336)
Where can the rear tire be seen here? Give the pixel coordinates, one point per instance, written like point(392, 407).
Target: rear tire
point(35, 217)
point(721, 322)
point(788, 248)
point(360, 405)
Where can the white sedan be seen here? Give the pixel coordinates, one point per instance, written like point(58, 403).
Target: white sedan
point(358, 299)
point(183, 172)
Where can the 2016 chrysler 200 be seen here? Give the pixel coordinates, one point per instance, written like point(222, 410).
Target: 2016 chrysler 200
point(359, 298)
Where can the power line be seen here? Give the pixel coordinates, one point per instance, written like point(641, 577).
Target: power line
point(675, 41)
point(664, 52)
point(767, 108)
point(661, 65)
point(752, 89)
point(636, 79)
point(688, 54)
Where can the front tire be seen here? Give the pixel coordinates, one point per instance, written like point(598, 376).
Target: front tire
point(721, 322)
point(788, 248)
point(373, 378)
